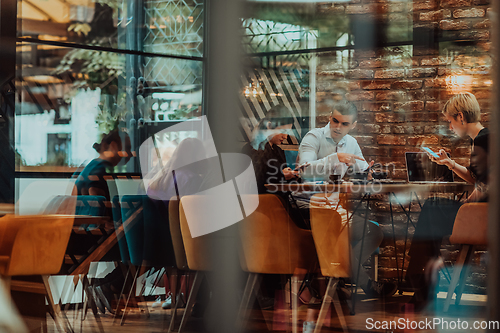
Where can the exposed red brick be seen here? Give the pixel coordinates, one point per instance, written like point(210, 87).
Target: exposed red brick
point(358, 9)
point(481, 2)
point(387, 139)
point(424, 5)
point(407, 84)
point(358, 54)
point(474, 34)
point(360, 74)
point(435, 83)
point(377, 107)
point(376, 84)
point(368, 128)
point(400, 62)
point(366, 118)
point(485, 117)
point(364, 139)
point(434, 105)
point(422, 72)
point(444, 71)
point(423, 139)
point(385, 129)
point(390, 96)
point(389, 117)
point(353, 85)
point(400, 151)
point(436, 15)
point(371, 63)
point(470, 12)
point(422, 116)
point(462, 151)
point(453, 24)
point(433, 61)
point(455, 3)
point(360, 96)
point(398, 129)
point(415, 95)
point(409, 106)
point(389, 73)
point(434, 129)
point(482, 94)
point(375, 151)
point(335, 73)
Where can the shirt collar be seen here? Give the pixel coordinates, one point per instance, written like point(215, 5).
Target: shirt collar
point(328, 135)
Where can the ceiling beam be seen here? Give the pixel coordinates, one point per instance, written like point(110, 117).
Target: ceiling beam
point(36, 27)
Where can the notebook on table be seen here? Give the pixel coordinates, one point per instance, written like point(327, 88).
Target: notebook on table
point(419, 168)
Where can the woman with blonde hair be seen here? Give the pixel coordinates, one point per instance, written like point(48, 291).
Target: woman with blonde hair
point(437, 217)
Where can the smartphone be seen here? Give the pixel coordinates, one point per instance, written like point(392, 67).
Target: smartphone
point(302, 167)
point(427, 150)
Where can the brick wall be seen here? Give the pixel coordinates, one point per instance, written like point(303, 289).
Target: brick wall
point(400, 90)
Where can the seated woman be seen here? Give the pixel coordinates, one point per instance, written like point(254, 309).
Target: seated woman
point(438, 215)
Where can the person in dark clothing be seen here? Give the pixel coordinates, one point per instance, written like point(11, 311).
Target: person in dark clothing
point(92, 181)
point(437, 217)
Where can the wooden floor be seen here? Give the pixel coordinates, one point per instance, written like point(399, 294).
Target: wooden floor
point(472, 308)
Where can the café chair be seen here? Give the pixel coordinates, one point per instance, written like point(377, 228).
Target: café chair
point(197, 251)
point(34, 245)
point(90, 205)
point(180, 257)
point(331, 238)
point(271, 243)
point(470, 230)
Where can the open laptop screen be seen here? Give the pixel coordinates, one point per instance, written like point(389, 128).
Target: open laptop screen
point(420, 168)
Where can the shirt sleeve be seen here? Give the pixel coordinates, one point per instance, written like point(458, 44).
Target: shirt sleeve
point(308, 153)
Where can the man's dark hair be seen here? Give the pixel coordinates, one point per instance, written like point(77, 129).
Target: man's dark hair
point(346, 108)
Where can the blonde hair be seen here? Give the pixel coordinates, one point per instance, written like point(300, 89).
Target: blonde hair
point(467, 104)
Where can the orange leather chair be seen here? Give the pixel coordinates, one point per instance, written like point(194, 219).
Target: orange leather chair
point(331, 238)
point(34, 245)
point(470, 230)
point(272, 244)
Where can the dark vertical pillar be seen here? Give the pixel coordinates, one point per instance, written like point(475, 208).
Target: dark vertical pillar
point(8, 16)
point(221, 75)
point(494, 208)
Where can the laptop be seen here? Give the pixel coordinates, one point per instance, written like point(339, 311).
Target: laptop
point(419, 168)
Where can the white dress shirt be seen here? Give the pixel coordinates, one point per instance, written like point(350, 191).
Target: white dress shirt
point(320, 150)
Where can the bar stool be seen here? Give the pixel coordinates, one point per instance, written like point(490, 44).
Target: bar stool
point(470, 230)
point(35, 245)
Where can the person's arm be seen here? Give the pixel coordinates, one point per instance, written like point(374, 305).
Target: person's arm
point(361, 164)
point(458, 169)
point(321, 168)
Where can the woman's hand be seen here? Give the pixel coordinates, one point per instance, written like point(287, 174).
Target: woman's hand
point(289, 173)
point(442, 158)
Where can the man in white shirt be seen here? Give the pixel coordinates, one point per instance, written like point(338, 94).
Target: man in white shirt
point(331, 150)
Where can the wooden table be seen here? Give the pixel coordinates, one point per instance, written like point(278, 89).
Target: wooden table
point(367, 190)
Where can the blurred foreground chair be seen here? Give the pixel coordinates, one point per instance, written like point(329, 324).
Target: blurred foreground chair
point(470, 230)
point(35, 245)
point(331, 238)
point(273, 244)
point(180, 257)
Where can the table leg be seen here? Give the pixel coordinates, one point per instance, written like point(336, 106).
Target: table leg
point(367, 210)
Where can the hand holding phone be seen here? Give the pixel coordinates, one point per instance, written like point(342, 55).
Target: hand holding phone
point(302, 167)
point(430, 152)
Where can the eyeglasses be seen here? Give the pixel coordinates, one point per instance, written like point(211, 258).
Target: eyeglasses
point(343, 124)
